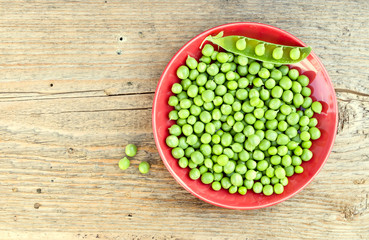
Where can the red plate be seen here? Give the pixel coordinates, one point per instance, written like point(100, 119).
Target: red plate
point(322, 90)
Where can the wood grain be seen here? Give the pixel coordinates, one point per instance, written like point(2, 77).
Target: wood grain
point(77, 83)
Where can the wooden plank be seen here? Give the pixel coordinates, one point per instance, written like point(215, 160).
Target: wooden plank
point(77, 83)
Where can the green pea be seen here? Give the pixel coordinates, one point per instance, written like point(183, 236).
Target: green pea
point(264, 73)
point(194, 174)
point(222, 57)
point(309, 112)
point(287, 96)
point(177, 88)
point(284, 70)
point(183, 72)
point(298, 151)
point(257, 187)
point(218, 176)
point(219, 78)
point(306, 155)
point(124, 163)
point(217, 168)
point(193, 74)
point(192, 91)
point(207, 178)
point(191, 164)
point(277, 92)
point(208, 96)
point(313, 122)
point(207, 50)
point(183, 162)
point(214, 55)
point(314, 133)
point(216, 186)
point(276, 74)
point(241, 44)
point(131, 150)
point(305, 91)
point(299, 169)
point(226, 139)
point(307, 102)
point(316, 107)
point(268, 190)
point(205, 117)
point(191, 62)
point(173, 115)
point(192, 139)
point(220, 90)
point(275, 103)
point(277, 53)
point(242, 70)
point(290, 170)
point(275, 160)
point(251, 164)
point(242, 190)
point(268, 65)
point(212, 70)
point(205, 59)
point(182, 142)
point(292, 144)
point(306, 144)
point(280, 173)
point(293, 118)
point(242, 60)
point(250, 174)
point(285, 83)
point(248, 184)
point(284, 181)
point(243, 83)
point(258, 155)
point(295, 53)
point(274, 180)
point(144, 167)
point(260, 49)
point(303, 80)
point(185, 103)
point(270, 83)
point(226, 67)
point(254, 68)
point(294, 74)
point(236, 179)
point(241, 169)
point(203, 169)
point(172, 141)
point(298, 100)
point(233, 189)
point(257, 82)
point(226, 183)
point(278, 188)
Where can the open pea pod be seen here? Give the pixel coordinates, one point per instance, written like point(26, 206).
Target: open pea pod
point(260, 50)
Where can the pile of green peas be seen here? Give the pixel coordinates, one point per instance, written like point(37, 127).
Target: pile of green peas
point(241, 124)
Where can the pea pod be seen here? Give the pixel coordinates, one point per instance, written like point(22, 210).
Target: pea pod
point(260, 50)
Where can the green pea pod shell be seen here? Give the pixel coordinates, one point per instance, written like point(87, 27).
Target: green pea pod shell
point(228, 43)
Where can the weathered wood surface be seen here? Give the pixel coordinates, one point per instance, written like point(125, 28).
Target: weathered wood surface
point(77, 83)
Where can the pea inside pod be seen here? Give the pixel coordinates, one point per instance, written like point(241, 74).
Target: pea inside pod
point(260, 50)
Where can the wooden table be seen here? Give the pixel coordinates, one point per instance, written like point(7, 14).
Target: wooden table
point(77, 84)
